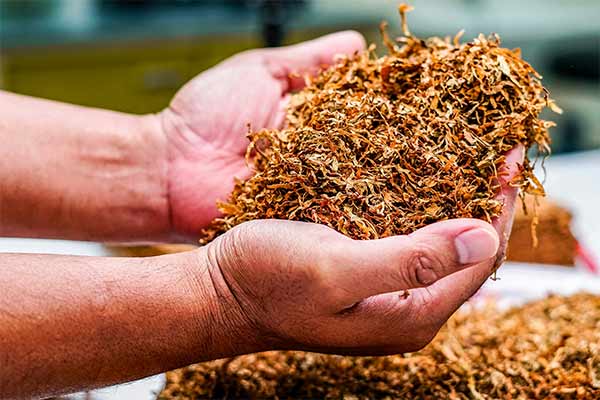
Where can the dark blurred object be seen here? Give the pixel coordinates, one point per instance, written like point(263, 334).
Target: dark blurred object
point(136, 5)
point(24, 8)
point(579, 59)
point(572, 68)
point(272, 14)
point(573, 132)
point(275, 15)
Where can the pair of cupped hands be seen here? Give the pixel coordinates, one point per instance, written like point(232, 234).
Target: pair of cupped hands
point(302, 285)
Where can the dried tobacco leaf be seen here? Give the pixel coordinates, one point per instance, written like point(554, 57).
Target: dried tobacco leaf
point(548, 349)
point(381, 146)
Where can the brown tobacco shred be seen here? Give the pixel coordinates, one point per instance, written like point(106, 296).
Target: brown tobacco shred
point(375, 147)
point(548, 349)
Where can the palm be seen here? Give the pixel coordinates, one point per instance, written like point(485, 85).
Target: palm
point(207, 122)
point(207, 149)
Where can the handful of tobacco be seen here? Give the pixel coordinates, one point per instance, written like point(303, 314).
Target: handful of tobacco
point(380, 146)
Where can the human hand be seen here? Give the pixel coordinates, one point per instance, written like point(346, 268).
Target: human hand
point(207, 121)
point(304, 286)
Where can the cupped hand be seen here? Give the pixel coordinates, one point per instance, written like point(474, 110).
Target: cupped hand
point(207, 121)
point(304, 286)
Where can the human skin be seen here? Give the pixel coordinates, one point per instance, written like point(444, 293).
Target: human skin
point(72, 323)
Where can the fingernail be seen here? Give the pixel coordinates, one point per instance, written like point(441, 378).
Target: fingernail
point(476, 245)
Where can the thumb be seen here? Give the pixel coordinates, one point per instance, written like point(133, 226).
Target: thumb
point(366, 268)
point(309, 57)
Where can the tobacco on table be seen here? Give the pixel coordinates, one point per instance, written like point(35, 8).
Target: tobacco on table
point(548, 349)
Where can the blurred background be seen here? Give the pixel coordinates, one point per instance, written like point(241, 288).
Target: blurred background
point(132, 55)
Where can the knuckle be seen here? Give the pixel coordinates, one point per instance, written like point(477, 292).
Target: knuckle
point(424, 267)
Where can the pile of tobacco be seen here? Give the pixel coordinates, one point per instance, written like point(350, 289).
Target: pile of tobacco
point(548, 349)
point(380, 146)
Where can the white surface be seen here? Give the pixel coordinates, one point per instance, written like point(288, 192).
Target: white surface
point(43, 246)
point(519, 283)
point(144, 389)
point(574, 181)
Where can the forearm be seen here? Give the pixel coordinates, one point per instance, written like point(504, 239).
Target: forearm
point(73, 323)
point(80, 173)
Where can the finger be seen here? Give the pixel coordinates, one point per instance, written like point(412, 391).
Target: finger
point(290, 64)
point(360, 269)
point(508, 196)
point(445, 296)
point(429, 307)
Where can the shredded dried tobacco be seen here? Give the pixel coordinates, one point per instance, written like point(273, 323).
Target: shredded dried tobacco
point(548, 349)
point(380, 146)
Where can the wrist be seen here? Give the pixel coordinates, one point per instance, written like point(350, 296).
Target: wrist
point(232, 330)
point(151, 155)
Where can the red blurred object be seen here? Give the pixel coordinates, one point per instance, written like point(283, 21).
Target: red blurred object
point(587, 259)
